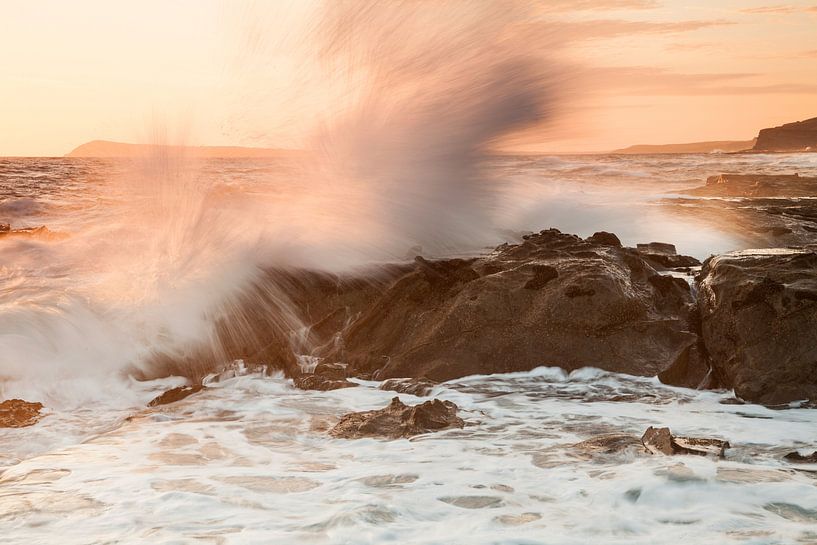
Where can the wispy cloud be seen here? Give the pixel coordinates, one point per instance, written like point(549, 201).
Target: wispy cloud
point(781, 8)
point(612, 28)
point(647, 81)
point(596, 5)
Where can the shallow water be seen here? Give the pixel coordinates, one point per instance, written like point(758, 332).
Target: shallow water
point(249, 461)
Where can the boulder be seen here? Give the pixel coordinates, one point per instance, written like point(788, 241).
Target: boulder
point(758, 312)
point(16, 413)
point(175, 394)
point(555, 299)
point(398, 420)
point(661, 441)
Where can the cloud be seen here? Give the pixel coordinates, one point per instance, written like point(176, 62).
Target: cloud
point(577, 31)
point(595, 5)
point(782, 8)
point(647, 81)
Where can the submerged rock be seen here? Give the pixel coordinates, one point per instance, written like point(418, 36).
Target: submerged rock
point(758, 312)
point(414, 386)
point(398, 420)
point(175, 394)
point(661, 441)
point(798, 458)
point(16, 413)
point(322, 383)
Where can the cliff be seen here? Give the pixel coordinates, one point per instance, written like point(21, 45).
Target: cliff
point(798, 136)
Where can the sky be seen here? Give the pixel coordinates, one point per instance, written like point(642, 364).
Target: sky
point(227, 73)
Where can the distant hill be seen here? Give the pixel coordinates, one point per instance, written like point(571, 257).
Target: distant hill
point(104, 148)
point(798, 136)
point(693, 147)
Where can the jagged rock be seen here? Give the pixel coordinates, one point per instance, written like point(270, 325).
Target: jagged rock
point(414, 386)
point(758, 313)
point(757, 186)
point(318, 382)
point(399, 420)
point(5, 227)
point(16, 413)
point(661, 441)
point(599, 308)
point(798, 458)
point(175, 394)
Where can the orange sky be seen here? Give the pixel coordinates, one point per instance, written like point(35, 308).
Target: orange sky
point(650, 71)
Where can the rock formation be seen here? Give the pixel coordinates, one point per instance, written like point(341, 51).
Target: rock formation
point(399, 420)
point(661, 441)
point(798, 136)
point(555, 299)
point(758, 312)
point(16, 413)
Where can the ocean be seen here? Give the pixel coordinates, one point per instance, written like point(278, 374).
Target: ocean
point(136, 256)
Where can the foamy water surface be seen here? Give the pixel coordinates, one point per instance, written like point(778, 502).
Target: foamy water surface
point(250, 461)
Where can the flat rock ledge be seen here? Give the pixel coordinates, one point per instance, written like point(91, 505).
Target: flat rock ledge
point(16, 413)
point(399, 420)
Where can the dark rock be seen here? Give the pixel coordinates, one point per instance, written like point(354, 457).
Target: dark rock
point(760, 335)
point(604, 238)
point(175, 394)
point(661, 441)
point(414, 386)
point(797, 136)
point(441, 321)
point(334, 371)
point(399, 420)
point(671, 261)
point(542, 274)
point(5, 227)
point(318, 382)
point(16, 413)
point(689, 370)
point(797, 458)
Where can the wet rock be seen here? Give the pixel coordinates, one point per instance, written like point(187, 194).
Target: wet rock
point(661, 441)
point(414, 386)
point(758, 312)
point(321, 383)
point(398, 420)
point(689, 370)
point(542, 274)
point(334, 371)
point(16, 413)
point(604, 238)
point(541, 304)
point(757, 186)
point(797, 458)
point(662, 248)
point(175, 394)
point(5, 227)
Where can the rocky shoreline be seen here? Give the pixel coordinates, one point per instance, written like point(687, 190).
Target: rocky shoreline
point(747, 320)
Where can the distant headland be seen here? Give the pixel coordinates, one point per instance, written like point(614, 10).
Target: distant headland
point(800, 136)
point(108, 149)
